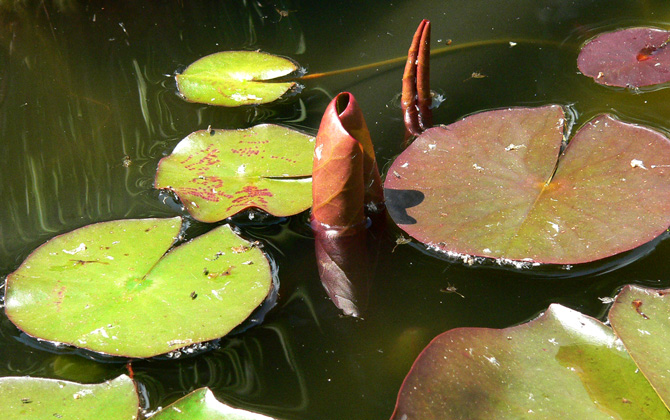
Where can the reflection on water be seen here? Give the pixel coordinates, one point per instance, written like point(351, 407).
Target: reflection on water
point(91, 107)
point(88, 106)
point(233, 372)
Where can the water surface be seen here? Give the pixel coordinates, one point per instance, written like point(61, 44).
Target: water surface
point(89, 107)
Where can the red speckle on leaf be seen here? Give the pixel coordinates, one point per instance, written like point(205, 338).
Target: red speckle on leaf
point(251, 196)
point(246, 152)
point(283, 158)
point(211, 158)
point(60, 296)
point(208, 188)
point(637, 304)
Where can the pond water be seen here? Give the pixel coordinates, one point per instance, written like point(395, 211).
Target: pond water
point(88, 107)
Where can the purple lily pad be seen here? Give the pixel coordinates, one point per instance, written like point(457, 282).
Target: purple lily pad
point(490, 185)
point(630, 57)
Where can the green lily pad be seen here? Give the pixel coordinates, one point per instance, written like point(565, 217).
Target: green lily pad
point(490, 185)
point(560, 365)
point(110, 287)
point(202, 405)
point(641, 318)
point(27, 398)
point(235, 78)
point(218, 173)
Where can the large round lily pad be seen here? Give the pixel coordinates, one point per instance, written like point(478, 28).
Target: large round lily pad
point(631, 57)
point(217, 173)
point(110, 287)
point(201, 404)
point(235, 78)
point(490, 185)
point(562, 365)
point(24, 398)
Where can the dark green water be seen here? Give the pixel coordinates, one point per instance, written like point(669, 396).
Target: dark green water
point(87, 86)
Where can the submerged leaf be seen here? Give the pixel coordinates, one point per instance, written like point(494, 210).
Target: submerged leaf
point(235, 78)
point(630, 57)
point(560, 365)
point(486, 186)
point(202, 405)
point(641, 318)
point(218, 173)
point(109, 288)
point(24, 398)
point(342, 260)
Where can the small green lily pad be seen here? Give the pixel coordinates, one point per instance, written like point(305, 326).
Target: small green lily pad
point(560, 365)
point(235, 78)
point(641, 318)
point(202, 405)
point(24, 398)
point(218, 173)
point(110, 287)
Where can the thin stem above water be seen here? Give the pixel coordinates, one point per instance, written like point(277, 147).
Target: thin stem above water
point(438, 51)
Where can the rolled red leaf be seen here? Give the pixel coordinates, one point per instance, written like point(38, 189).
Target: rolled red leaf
point(346, 187)
point(345, 178)
point(416, 100)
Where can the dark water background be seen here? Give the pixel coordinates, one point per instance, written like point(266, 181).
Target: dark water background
point(88, 86)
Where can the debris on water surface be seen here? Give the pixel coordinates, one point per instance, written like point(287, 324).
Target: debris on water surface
point(401, 240)
point(451, 289)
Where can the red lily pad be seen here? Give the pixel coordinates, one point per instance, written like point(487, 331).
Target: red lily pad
point(561, 365)
point(218, 173)
point(490, 185)
point(630, 57)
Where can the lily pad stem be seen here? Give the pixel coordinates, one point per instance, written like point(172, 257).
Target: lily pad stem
point(438, 51)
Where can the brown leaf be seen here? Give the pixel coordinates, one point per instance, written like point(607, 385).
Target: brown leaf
point(345, 178)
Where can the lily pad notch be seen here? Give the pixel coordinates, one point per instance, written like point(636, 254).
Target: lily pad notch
point(485, 186)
